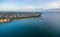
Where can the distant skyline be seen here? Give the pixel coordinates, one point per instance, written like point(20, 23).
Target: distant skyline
point(28, 5)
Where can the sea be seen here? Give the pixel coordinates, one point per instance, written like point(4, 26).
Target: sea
point(48, 25)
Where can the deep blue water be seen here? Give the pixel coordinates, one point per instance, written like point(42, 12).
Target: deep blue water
point(47, 26)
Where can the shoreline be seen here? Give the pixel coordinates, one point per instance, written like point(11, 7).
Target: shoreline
point(9, 17)
point(8, 20)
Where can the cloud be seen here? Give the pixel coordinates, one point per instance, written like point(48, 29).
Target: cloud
point(12, 6)
point(54, 4)
point(28, 5)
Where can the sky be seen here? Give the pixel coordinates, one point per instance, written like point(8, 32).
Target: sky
point(28, 5)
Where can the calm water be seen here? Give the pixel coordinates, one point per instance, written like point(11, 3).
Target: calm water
point(47, 26)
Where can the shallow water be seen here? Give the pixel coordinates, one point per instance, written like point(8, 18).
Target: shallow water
point(47, 26)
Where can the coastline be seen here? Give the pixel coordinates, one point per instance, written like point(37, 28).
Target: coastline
point(8, 18)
